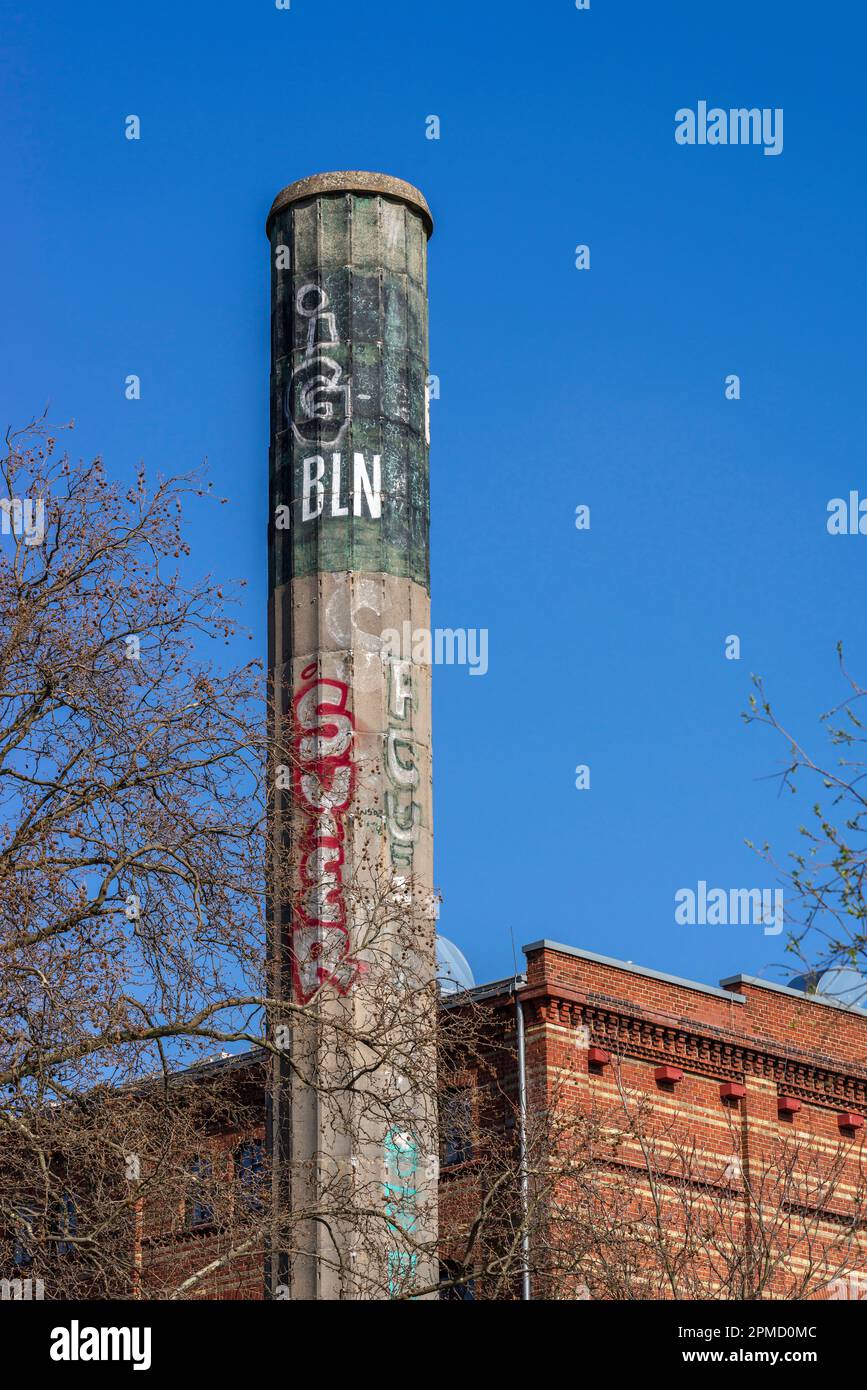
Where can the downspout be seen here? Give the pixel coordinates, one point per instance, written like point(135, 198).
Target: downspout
point(522, 1146)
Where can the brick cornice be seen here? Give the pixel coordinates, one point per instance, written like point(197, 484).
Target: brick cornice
point(705, 1049)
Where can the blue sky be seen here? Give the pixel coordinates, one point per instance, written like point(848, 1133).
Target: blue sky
point(558, 386)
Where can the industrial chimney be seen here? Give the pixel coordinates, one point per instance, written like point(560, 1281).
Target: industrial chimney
point(351, 914)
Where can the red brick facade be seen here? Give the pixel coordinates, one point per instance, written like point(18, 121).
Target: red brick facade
point(750, 1072)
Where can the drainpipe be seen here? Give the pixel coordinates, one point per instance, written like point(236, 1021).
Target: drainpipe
point(522, 1146)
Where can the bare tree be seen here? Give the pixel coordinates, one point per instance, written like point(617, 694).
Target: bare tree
point(131, 806)
point(827, 904)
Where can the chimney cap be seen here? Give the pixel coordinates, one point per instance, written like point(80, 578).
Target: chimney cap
point(351, 181)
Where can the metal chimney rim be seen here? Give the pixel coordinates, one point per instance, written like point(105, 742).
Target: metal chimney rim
point(351, 181)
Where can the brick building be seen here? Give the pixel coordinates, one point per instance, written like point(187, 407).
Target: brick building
point(740, 1111)
point(717, 1134)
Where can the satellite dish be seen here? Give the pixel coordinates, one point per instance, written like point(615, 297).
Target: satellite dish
point(453, 971)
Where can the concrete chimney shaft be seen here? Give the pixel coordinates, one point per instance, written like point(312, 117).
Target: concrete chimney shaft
point(348, 571)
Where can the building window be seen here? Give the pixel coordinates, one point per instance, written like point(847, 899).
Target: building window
point(23, 1239)
point(455, 1285)
point(456, 1121)
point(250, 1168)
point(201, 1206)
point(66, 1225)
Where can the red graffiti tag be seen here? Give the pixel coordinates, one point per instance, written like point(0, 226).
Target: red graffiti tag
point(323, 779)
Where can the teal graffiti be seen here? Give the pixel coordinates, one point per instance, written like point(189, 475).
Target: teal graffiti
point(401, 1194)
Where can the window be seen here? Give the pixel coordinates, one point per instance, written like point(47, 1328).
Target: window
point(456, 1292)
point(201, 1206)
point(250, 1168)
point(22, 1242)
point(456, 1125)
point(66, 1225)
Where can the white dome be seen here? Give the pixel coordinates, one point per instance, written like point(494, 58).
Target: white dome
point(453, 971)
point(843, 984)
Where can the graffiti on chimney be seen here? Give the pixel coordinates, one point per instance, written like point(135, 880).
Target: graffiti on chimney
point(323, 781)
point(400, 1189)
point(402, 811)
point(318, 397)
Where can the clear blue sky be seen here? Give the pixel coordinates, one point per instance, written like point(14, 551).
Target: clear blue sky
point(559, 387)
